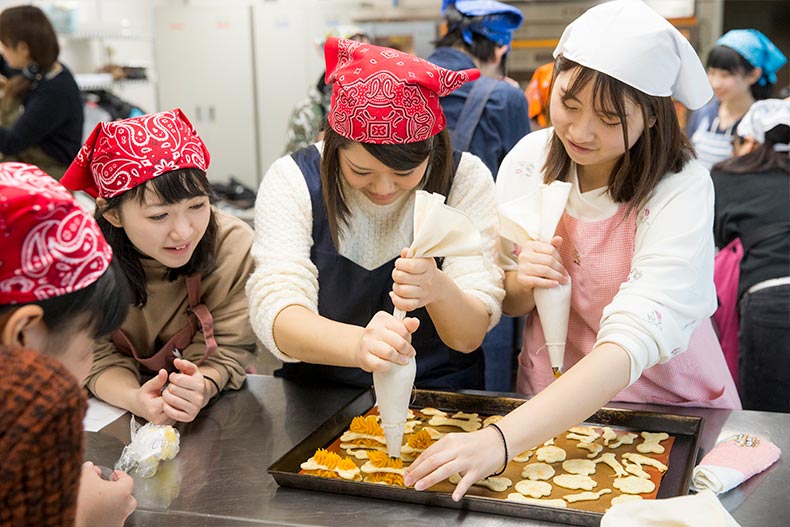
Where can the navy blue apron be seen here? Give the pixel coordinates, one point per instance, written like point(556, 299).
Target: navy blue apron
point(349, 293)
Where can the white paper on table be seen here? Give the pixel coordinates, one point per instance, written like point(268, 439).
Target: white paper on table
point(99, 415)
point(535, 216)
point(681, 511)
point(439, 231)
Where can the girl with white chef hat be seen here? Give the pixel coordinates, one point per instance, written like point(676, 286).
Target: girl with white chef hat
point(635, 237)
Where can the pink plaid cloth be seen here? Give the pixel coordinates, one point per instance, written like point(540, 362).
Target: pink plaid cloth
point(733, 461)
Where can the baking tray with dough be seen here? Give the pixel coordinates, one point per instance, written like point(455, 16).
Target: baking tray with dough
point(679, 455)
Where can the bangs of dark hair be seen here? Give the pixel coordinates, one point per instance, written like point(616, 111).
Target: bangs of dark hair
point(172, 187)
point(399, 157)
point(662, 148)
point(101, 307)
point(724, 58)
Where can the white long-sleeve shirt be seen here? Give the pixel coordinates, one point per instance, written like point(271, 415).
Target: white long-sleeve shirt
point(284, 274)
point(672, 264)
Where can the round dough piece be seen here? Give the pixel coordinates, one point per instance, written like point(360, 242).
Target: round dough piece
point(533, 489)
point(633, 485)
point(550, 454)
point(538, 471)
point(584, 467)
point(575, 481)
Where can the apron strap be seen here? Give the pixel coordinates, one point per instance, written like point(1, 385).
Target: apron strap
point(199, 313)
point(461, 134)
point(199, 317)
point(156, 362)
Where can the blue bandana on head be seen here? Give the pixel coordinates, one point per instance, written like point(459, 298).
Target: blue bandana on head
point(757, 49)
point(493, 20)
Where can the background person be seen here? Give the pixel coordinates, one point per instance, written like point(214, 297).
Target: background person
point(58, 292)
point(486, 117)
point(742, 69)
point(41, 112)
point(752, 196)
point(186, 263)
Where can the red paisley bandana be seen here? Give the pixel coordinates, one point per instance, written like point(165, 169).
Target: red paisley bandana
point(51, 247)
point(120, 155)
point(385, 96)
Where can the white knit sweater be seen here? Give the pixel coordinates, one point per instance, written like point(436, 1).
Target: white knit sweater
point(284, 274)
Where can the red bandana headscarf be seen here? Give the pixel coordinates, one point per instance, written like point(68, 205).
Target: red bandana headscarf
point(385, 96)
point(51, 246)
point(120, 155)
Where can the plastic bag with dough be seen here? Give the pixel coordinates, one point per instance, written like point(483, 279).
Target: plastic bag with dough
point(149, 445)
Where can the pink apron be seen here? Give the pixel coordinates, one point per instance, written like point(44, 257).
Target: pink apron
point(598, 257)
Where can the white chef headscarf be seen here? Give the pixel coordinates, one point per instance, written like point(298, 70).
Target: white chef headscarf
point(630, 42)
point(762, 117)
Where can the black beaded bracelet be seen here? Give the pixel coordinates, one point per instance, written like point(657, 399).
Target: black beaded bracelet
point(504, 442)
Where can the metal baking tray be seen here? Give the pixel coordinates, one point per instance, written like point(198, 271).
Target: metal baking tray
point(686, 429)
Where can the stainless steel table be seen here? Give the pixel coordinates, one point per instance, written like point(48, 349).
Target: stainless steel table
point(219, 478)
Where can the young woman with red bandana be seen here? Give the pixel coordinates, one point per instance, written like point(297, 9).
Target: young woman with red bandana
point(332, 221)
point(58, 292)
point(186, 264)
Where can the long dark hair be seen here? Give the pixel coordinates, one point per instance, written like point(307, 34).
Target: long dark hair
point(30, 25)
point(400, 157)
point(173, 187)
point(663, 148)
point(725, 58)
point(763, 158)
point(101, 307)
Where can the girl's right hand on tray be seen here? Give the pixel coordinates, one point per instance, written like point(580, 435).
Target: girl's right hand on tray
point(474, 456)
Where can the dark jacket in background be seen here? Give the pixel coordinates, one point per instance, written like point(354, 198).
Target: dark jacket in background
point(505, 119)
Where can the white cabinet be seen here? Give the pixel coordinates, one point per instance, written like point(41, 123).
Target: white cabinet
point(204, 57)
